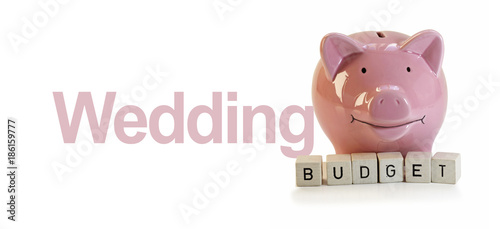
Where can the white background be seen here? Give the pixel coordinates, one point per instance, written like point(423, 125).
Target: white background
point(266, 52)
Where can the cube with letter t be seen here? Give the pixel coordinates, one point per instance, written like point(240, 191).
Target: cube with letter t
point(446, 168)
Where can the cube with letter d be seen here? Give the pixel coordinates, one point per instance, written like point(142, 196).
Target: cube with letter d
point(364, 168)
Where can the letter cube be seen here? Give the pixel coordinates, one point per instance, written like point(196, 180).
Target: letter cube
point(338, 169)
point(446, 168)
point(418, 167)
point(390, 165)
point(308, 170)
point(364, 168)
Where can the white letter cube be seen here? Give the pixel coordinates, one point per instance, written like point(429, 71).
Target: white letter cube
point(418, 167)
point(364, 168)
point(446, 168)
point(308, 170)
point(338, 169)
point(390, 167)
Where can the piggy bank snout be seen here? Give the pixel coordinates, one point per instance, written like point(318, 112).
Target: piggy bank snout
point(389, 106)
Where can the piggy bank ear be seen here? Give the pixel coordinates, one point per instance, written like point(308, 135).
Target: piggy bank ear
point(337, 50)
point(428, 44)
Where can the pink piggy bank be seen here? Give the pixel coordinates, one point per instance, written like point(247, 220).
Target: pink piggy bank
point(380, 91)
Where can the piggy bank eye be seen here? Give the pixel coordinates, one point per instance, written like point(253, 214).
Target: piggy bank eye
point(408, 69)
point(363, 70)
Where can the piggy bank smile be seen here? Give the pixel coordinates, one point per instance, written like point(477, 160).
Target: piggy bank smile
point(388, 125)
point(380, 91)
point(390, 132)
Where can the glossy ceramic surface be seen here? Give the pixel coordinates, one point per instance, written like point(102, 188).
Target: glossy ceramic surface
point(380, 91)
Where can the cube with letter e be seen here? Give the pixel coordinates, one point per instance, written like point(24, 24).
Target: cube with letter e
point(418, 167)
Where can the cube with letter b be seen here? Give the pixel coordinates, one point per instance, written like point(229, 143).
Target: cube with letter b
point(308, 170)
